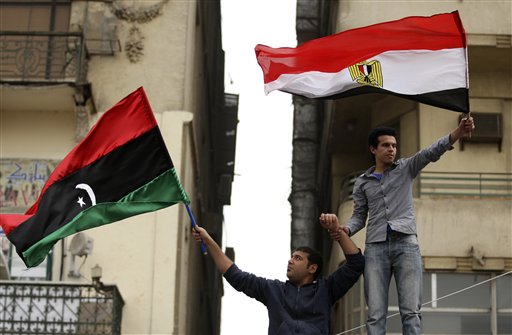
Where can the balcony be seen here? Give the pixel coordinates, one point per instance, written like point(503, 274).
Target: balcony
point(57, 308)
point(42, 58)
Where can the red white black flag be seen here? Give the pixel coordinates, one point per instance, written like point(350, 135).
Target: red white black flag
point(418, 58)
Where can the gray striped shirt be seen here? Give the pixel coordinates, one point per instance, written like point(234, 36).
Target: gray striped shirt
point(390, 200)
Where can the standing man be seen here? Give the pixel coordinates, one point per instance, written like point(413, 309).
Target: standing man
point(302, 304)
point(383, 194)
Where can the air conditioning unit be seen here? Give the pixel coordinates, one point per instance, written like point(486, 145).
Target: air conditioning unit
point(488, 129)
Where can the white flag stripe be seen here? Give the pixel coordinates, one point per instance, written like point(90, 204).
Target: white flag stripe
point(407, 72)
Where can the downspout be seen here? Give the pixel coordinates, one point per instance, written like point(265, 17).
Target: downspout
point(304, 197)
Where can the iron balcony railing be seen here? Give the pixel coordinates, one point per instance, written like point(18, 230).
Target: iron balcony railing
point(42, 57)
point(481, 185)
point(456, 184)
point(57, 308)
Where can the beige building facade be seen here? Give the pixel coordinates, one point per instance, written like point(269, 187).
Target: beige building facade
point(463, 202)
point(64, 63)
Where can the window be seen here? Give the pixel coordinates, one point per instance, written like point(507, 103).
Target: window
point(465, 312)
point(14, 268)
point(39, 15)
point(504, 304)
point(34, 45)
point(489, 129)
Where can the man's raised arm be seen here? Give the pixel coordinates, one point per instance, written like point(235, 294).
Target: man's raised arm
point(331, 224)
point(222, 261)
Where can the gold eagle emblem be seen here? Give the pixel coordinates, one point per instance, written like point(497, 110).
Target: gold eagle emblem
point(367, 73)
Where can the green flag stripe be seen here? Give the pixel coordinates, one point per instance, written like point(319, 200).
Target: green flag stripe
point(163, 191)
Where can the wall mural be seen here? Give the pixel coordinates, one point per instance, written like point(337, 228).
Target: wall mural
point(21, 182)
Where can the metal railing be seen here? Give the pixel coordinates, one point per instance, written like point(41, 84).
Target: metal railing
point(456, 184)
point(58, 308)
point(42, 57)
point(477, 184)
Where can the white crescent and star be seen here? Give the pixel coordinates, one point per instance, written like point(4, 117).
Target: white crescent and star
point(90, 193)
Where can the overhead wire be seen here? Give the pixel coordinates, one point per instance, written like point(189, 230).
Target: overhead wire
point(440, 298)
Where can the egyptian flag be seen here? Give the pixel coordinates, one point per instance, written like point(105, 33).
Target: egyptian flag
point(120, 169)
point(418, 58)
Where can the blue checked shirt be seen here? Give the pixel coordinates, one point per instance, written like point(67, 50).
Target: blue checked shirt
point(390, 201)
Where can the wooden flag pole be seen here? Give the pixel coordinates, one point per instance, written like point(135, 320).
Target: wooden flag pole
point(194, 225)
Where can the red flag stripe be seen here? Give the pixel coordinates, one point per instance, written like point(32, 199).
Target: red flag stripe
point(10, 221)
point(123, 115)
point(338, 51)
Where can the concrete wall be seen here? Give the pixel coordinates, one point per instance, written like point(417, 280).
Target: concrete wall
point(163, 65)
point(450, 228)
point(477, 157)
point(482, 17)
point(41, 127)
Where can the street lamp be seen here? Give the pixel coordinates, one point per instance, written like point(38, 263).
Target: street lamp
point(96, 272)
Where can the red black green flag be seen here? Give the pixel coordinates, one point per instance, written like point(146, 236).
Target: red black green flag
point(120, 169)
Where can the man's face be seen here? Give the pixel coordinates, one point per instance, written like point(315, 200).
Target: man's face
point(386, 150)
point(298, 268)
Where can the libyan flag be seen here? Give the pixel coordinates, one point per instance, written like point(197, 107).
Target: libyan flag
point(418, 58)
point(120, 169)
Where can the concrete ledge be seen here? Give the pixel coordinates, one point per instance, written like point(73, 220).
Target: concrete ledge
point(490, 264)
point(440, 263)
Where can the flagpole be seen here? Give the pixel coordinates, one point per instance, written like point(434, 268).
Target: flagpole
point(467, 81)
point(194, 225)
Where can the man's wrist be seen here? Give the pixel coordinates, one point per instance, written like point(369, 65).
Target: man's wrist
point(347, 230)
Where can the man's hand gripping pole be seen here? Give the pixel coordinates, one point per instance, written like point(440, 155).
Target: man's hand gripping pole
point(194, 225)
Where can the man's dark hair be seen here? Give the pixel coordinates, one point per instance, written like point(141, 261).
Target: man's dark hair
point(314, 257)
point(373, 137)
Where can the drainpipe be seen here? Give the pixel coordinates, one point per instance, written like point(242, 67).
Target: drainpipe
point(303, 198)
